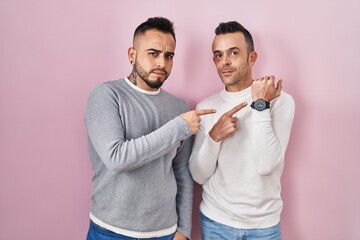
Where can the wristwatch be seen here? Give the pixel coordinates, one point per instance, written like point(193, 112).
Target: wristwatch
point(260, 104)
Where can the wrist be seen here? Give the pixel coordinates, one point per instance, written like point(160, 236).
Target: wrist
point(260, 104)
point(260, 97)
point(214, 137)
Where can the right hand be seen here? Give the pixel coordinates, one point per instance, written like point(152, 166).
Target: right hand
point(226, 125)
point(265, 88)
point(192, 118)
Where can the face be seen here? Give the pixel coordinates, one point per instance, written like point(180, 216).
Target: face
point(232, 60)
point(152, 54)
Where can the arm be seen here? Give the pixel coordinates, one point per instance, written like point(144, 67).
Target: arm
point(203, 160)
point(271, 133)
point(184, 197)
point(107, 134)
point(271, 128)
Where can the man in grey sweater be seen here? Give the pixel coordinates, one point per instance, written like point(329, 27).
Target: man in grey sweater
point(139, 146)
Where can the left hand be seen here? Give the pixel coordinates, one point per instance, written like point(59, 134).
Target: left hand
point(226, 125)
point(264, 88)
point(179, 236)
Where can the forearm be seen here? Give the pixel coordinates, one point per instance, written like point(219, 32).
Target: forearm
point(122, 155)
point(270, 135)
point(266, 147)
point(184, 197)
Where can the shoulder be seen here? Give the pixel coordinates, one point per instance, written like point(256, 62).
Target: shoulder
point(109, 88)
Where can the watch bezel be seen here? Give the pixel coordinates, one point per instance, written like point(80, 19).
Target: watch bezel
point(260, 104)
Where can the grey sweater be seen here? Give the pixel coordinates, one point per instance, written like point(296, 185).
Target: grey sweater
point(139, 149)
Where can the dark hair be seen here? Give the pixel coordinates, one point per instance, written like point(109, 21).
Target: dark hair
point(159, 23)
point(232, 27)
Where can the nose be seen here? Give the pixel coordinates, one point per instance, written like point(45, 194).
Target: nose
point(226, 60)
point(161, 62)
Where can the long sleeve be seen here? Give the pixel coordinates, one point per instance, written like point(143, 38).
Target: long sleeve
point(241, 174)
point(203, 160)
point(184, 197)
point(270, 134)
point(107, 134)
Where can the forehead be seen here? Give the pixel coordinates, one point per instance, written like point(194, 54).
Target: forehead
point(223, 42)
point(155, 39)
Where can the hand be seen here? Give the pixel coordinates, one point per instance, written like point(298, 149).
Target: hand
point(226, 125)
point(265, 88)
point(192, 118)
point(179, 236)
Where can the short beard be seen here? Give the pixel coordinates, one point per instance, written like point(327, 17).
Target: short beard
point(156, 84)
point(153, 84)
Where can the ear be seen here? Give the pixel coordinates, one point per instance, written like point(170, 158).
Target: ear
point(252, 58)
point(132, 55)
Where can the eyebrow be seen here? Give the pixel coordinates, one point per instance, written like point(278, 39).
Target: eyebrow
point(232, 48)
point(154, 50)
point(159, 51)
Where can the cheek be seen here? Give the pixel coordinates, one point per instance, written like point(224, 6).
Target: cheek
point(145, 63)
point(240, 64)
point(145, 59)
point(169, 64)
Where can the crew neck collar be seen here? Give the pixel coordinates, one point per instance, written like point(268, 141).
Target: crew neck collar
point(140, 89)
point(235, 96)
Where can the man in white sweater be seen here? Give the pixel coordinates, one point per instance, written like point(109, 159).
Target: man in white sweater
point(238, 153)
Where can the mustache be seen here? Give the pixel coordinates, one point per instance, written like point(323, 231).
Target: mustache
point(159, 70)
point(227, 68)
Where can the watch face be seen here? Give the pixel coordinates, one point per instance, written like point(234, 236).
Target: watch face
point(260, 104)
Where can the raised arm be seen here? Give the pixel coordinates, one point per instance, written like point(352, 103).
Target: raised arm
point(271, 128)
point(203, 160)
point(107, 134)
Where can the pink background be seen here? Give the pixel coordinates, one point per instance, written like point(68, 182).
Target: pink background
point(52, 53)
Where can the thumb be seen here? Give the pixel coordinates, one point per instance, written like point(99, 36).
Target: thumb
point(279, 86)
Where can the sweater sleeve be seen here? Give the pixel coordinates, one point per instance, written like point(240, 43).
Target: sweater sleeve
point(107, 134)
point(203, 159)
point(184, 197)
point(270, 134)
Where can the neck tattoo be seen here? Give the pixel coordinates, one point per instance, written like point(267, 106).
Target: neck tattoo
point(132, 76)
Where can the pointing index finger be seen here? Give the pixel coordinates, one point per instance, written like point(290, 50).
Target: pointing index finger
point(205, 111)
point(235, 109)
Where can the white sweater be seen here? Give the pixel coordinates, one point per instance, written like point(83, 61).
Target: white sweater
point(241, 174)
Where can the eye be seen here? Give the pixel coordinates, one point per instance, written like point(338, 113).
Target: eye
point(234, 52)
point(217, 55)
point(170, 56)
point(154, 54)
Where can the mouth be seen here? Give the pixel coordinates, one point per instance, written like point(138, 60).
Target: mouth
point(159, 72)
point(227, 72)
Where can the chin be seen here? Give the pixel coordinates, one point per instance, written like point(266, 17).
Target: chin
point(228, 82)
point(157, 83)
